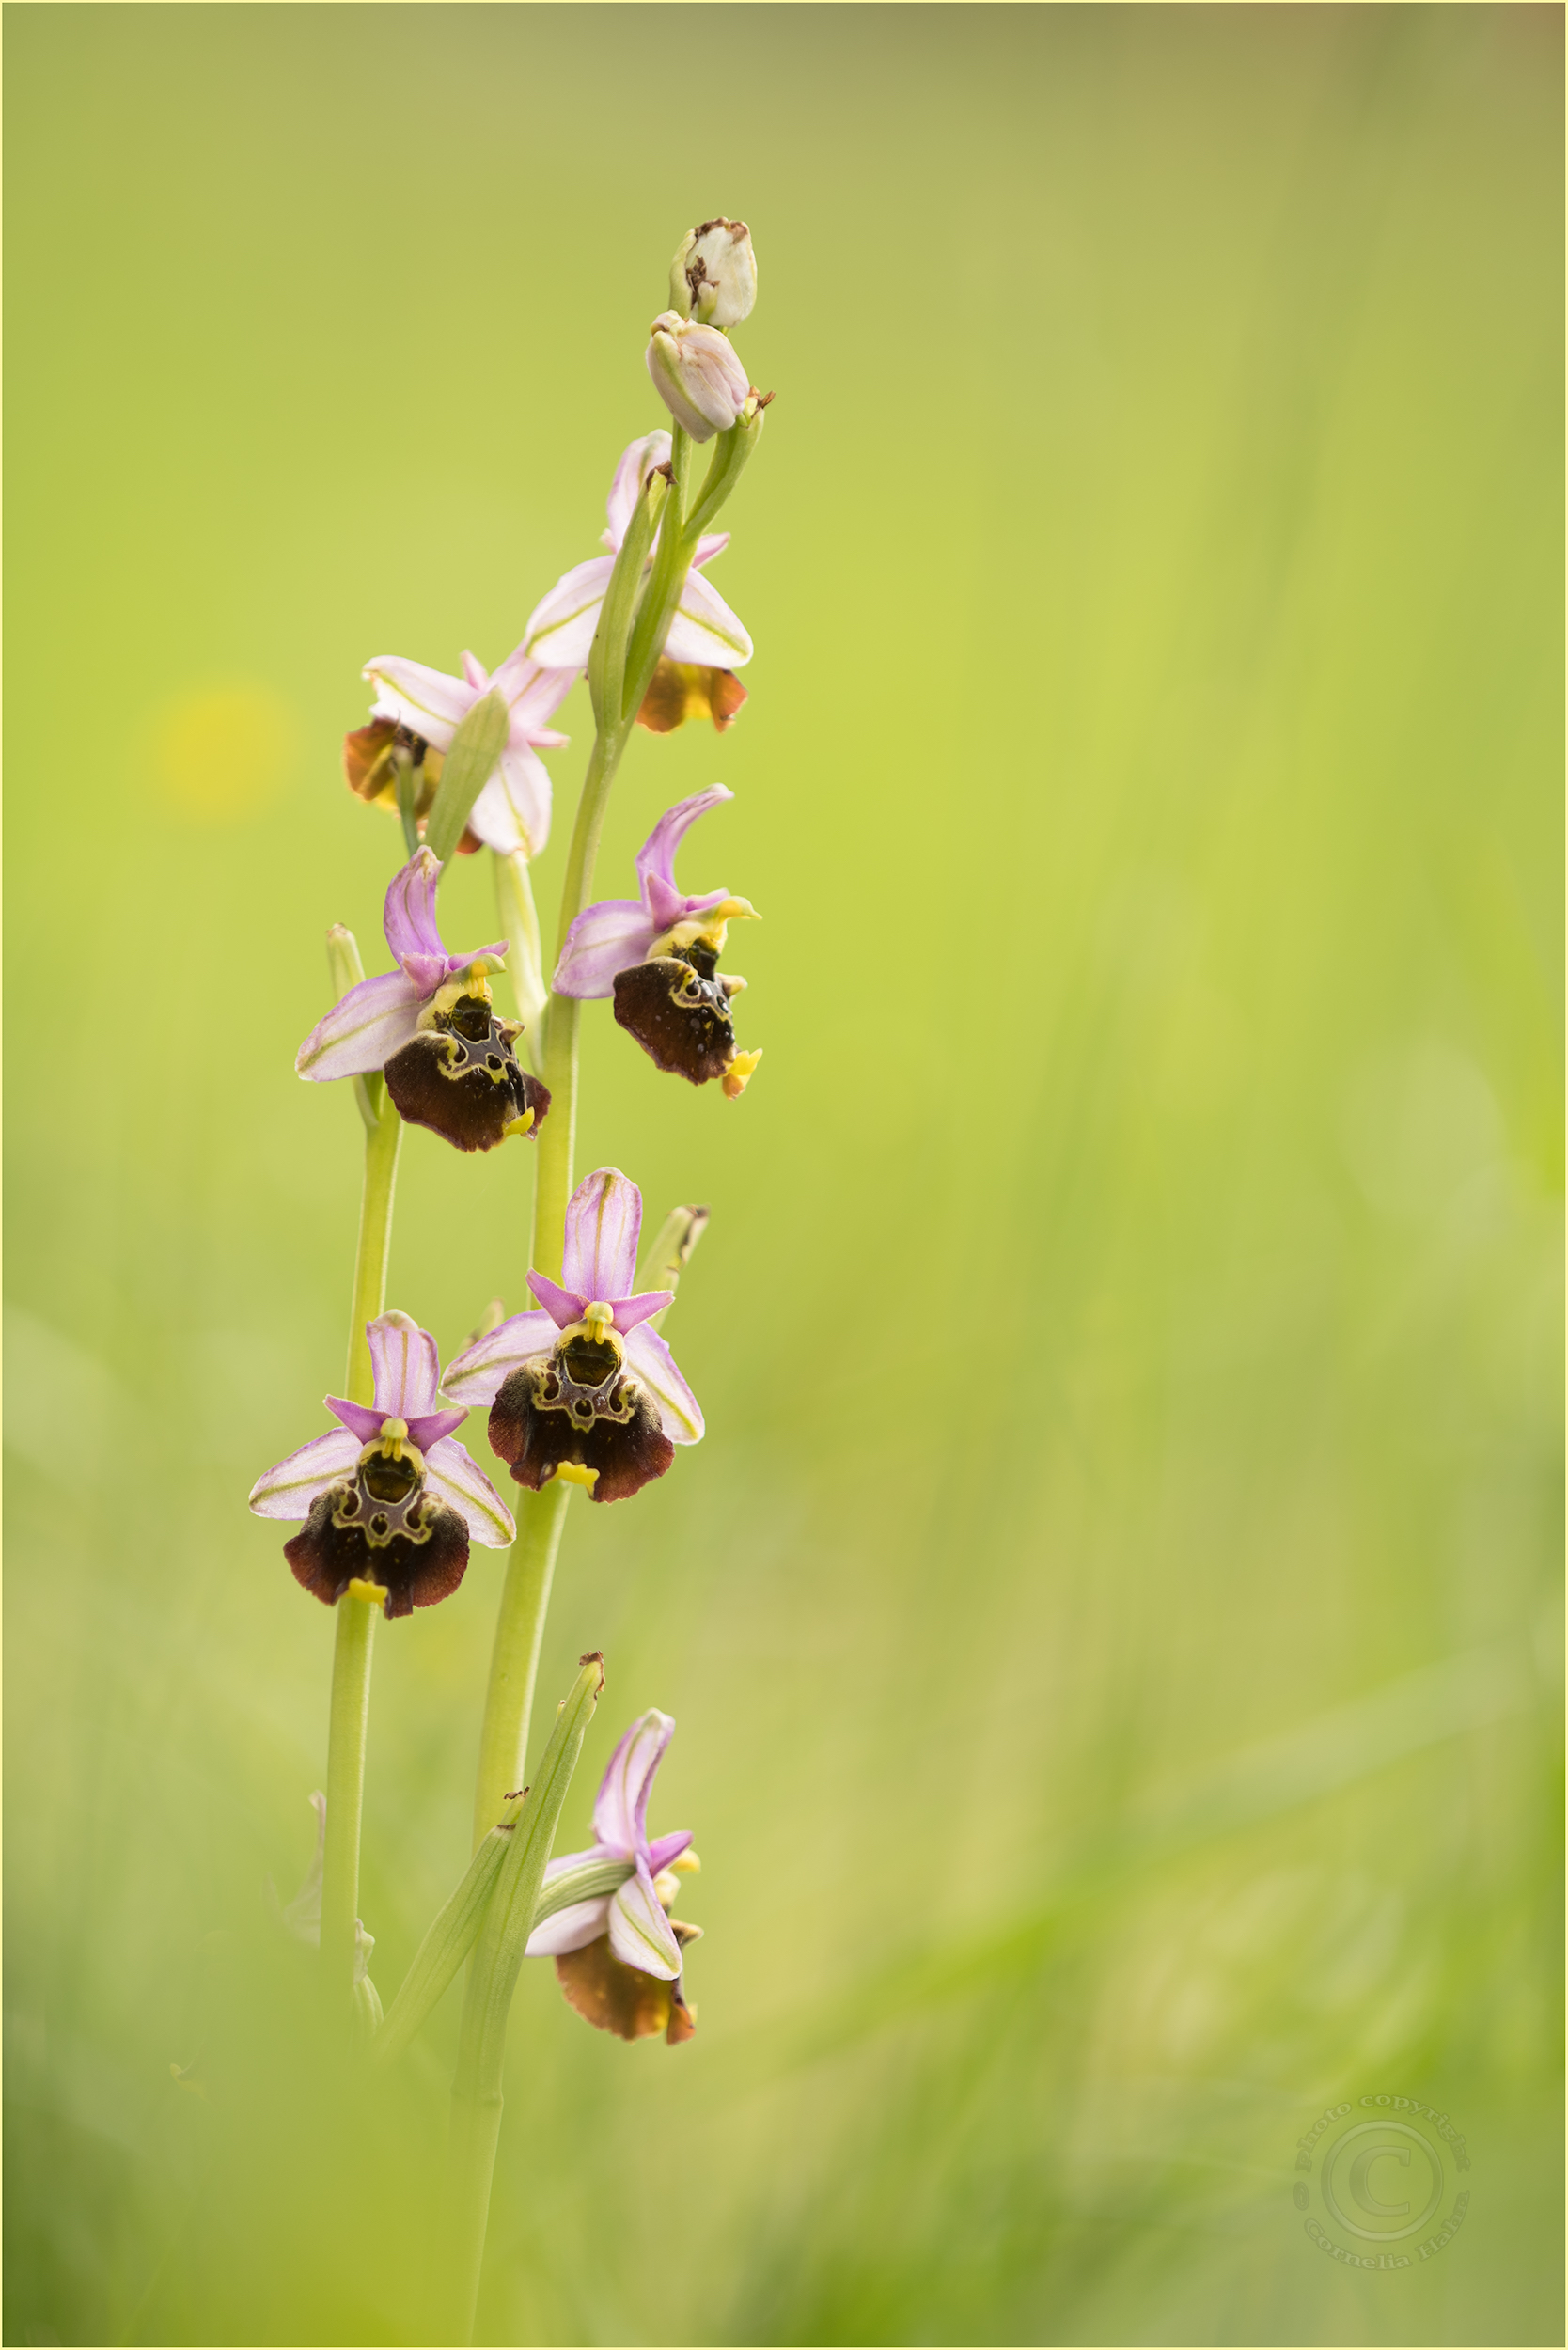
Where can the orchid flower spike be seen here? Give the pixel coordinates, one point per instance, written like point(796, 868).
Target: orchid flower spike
point(390, 1498)
point(657, 955)
point(432, 1027)
point(706, 643)
point(584, 1390)
point(618, 1957)
point(421, 709)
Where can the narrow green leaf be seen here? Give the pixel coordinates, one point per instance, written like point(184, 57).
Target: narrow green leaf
point(510, 1915)
point(470, 763)
point(453, 1935)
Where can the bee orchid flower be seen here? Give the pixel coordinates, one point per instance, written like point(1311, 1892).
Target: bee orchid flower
point(706, 643)
point(583, 1389)
point(432, 1027)
point(618, 1957)
point(422, 708)
point(657, 955)
point(390, 1499)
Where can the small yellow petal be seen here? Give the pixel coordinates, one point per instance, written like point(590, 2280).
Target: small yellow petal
point(376, 1591)
point(739, 1074)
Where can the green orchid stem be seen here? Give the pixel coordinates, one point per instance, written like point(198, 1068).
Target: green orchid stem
point(349, 1722)
point(476, 2085)
point(347, 1736)
point(557, 1136)
point(514, 1662)
point(375, 1241)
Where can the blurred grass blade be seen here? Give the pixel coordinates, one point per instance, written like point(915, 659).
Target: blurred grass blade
point(1443, 1700)
point(469, 766)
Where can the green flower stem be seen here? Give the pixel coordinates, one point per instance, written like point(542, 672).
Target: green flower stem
point(457, 1929)
point(514, 1661)
point(346, 1739)
point(349, 1716)
point(477, 2087)
point(375, 1243)
point(557, 1136)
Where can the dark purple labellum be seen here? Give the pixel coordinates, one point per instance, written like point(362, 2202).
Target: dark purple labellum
point(462, 1079)
point(386, 1528)
point(678, 1012)
point(577, 1406)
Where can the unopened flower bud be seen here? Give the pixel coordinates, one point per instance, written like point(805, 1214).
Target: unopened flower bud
point(697, 374)
point(712, 277)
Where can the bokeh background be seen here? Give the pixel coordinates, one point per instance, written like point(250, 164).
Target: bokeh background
point(1110, 1621)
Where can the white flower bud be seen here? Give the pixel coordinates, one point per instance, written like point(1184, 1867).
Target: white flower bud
point(698, 377)
point(712, 277)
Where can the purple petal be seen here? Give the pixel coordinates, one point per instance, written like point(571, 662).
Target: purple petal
point(637, 462)
point(477, 1375)
point(410, 924)
point(564, 1307)
point(663, 1849)
point(512, 811)
point(649, 1358)
point(407, 1366)
point(428, 1428)
point(656, 857)
point(620, 1806)
point(560, 627)
point(640, 1934)
point(569, 1929)
point(363, 1031)
point(629, 1312)
point(288, 1489)
point(457, 1478)
point(475, 673)
point(603, 1218)
point(361, 1419)
point(428, 702)
point(606, 938)
point(711, 543)
point(704, 629)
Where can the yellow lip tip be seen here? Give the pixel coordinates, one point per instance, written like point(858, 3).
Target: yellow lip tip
point(376, 1591)
point(740, 1074)
point(573, 1473)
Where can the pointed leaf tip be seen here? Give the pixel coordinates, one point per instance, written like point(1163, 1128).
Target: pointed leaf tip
point(477, 747)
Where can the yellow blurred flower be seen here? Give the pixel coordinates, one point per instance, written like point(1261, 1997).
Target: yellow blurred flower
point(223, 755)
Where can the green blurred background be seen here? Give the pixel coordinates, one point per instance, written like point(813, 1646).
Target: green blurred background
point(1111, 1620)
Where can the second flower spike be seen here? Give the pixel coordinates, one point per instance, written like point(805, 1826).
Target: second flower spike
point(657, 956)
point(432, 1027)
